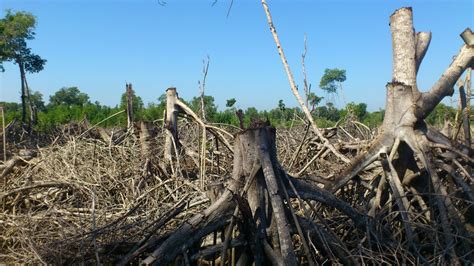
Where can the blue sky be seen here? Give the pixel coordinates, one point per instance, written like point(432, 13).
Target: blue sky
point(99, 45)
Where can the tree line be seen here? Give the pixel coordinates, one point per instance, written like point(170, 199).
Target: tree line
point(69, 104)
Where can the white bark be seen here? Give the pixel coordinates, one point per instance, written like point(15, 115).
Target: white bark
point(293, 87)
point(445, 85)
point(423, 40)
point(171, 123)
point(403, 45)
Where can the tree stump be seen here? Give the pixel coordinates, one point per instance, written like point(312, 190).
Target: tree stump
point(257, 199)
point(171, 125)
point(410, 149)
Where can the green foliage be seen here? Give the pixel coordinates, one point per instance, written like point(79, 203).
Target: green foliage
point(15, 29)
point(137, 104)
point(314, 100)
point(210, 108)
point(328, 112)
point(358, 110)
point(69, 97)
point(11, 111)
point(71, 105)
point(324, 123)
point(374, 119)
point(153, 111)
point(37, 100)
point(230, 102)
point(332, 78)
point(281, 105)
point(438, 115)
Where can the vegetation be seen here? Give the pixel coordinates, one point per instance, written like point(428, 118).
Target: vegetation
point(69, 104)
point(15, 30)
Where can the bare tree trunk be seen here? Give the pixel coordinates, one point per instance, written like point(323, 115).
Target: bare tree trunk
point(294, 88)
point(129, 92)
point(146, 147)
point(467, 109)
point(171, 125)
point(4, 135)
point(31, 105)
point(23, 92)
point(202, 153)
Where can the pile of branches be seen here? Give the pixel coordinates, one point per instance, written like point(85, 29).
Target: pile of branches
point(82, 200)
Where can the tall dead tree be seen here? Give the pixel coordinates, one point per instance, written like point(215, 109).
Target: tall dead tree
point(129, 92)
point(467, 110)
point(171, 124)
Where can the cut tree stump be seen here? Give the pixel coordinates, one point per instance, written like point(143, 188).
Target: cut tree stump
point(407, 145)
point(258, 202)
point(171, 125)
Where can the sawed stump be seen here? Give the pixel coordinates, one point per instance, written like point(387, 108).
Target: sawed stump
point(257, 199)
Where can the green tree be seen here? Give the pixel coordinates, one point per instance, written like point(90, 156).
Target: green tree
point(439, 113)
point(69, 97)
point(328, 112)
point(37, 100)
point(358, 110)
point(230, 102)
point(332, 80)
point(281, 105)
point(314, 100)
point(15, 30)
point(137, 104)
point(210, 108)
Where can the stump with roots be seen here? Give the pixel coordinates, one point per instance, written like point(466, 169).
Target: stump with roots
point(256, 208)
point(427, 176)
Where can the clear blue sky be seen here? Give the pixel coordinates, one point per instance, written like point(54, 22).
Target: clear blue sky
point(99, 45)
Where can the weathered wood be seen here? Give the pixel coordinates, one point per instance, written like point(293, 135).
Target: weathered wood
point(253, 175)
point(129, 93)
point(294, 88)
point(467, 109)
point(4, 135)
point(171, 125)
point(423, 40)
point(403, 47)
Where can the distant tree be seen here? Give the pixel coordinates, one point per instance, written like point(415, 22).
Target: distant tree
point(314, 100)
point(230, 102)
point(281, 105)
point(358, 110)
point(328, 112)
point(162, 100)
point(137, 101)
point(15, 30)
point(332, 80)
point(37, 100)
point(439, 113)
point(210, 107)
point(374, 119)
point(251, 112)
point(69, 97)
